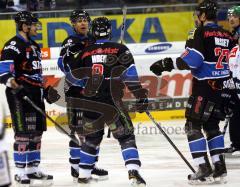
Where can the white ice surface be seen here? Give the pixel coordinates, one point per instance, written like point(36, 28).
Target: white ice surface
point(161, 165)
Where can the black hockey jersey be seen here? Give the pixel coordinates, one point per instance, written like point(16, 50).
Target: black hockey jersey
point(71, 47)
point(208, 54)
point(75, 44)
point(21, 59)
point(107, 60)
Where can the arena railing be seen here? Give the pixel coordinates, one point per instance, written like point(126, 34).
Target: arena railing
point(118, 10)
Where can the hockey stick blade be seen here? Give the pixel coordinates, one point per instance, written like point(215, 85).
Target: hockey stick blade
point(73, 138)
point(170, 141)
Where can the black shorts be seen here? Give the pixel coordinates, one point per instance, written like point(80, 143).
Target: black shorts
point(25, 118)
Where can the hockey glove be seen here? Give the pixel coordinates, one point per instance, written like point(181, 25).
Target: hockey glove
point(158, 67)
point(142, 100)
point(51, 95)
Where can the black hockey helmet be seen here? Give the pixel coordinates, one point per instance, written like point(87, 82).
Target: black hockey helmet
point(25, 17)
point(77, 14)
point(101, 28)
point(209, 7)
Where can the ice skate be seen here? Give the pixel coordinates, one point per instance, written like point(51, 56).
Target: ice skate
point(203, 175)
point(97, 174)
point(38, 178)
point(100, 174)
point(75, 175)
point(136, 179)
point(22, 180)
point(220, 171)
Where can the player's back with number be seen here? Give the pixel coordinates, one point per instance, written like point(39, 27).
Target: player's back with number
point(211, 46)
point(103, 57)
point(207, 55)
point(107, 60)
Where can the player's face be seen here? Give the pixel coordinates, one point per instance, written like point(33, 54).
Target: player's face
point(81, 26)
point(196, 19)
point(233, 20)
point(33, 29)
point(25, 28)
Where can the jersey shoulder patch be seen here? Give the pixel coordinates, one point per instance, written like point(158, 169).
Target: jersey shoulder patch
point(191, 33)
point(12, 46)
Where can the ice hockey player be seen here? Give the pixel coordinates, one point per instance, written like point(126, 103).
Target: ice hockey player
point(102, 68)
point(5, 178)
point(234, 128)
point(21, 72)
point(206, 56)
point(72, 46)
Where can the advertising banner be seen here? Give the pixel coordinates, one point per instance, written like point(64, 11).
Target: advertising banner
point(139, 28)
point(167, 93)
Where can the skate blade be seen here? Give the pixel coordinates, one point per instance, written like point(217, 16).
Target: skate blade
point(135, 184)
point(41, 183)
point(22, 185)
point(220, 180)
point(75, 180)
point(83, 185)
point(91, 182)
point(100, 178)
point(206, 180)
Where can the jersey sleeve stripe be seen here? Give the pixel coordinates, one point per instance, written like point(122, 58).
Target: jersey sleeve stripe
point(130, 74)
point(60, 64)
point(193, 58)
point(5, 70)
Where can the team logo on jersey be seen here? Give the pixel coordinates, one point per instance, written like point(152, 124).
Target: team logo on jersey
point(14, 48)
point(68, 44)
point(13, 43)
point(100, 51)
point(158, 48)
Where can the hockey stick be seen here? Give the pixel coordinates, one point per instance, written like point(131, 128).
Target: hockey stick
point(124, 10)
point(170, 141)
point(73, 138)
